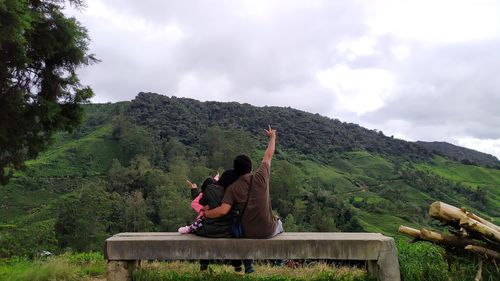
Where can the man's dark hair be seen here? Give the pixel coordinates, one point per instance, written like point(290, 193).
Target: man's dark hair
point(242, 165)
point(227, 178)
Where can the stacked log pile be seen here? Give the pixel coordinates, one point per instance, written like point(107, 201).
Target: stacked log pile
point(468, 232)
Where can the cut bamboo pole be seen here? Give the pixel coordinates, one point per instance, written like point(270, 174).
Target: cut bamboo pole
point(446, 239)
point(483, 221)
point(483, 251)
point(476, 226)
point(445, 212)
point(448, 213)
point(409, 231)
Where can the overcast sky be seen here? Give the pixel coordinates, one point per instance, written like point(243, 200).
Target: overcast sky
point(419, 70)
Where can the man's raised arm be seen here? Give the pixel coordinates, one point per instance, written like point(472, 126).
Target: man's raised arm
point(268, 155)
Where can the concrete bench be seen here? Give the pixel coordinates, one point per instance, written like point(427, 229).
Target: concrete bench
point(124, 250)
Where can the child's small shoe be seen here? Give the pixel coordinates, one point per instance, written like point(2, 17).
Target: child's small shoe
point(184, 230)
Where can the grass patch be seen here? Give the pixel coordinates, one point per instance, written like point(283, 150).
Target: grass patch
point(90, 264)
point(418, 262)
point(67, 267)
point(49, 270)
point(156, 271)
point(88, 156)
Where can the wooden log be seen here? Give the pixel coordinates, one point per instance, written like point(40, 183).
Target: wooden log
point(445, 212)
point(451, 214)
point(437, 237)
point(483, 251)
point(485, 230)
point(481, 220)
point(446, 239)
point(409, 231)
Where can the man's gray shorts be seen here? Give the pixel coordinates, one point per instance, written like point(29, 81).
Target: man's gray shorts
point(279, 228)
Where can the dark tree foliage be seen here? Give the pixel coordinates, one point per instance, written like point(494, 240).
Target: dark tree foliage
point(40, 49)
point(83, 218)
point(131, 139)
point(464, 155)
point(310, 134)
point(219, 145)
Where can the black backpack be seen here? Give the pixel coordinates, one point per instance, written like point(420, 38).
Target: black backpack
point(216, 227)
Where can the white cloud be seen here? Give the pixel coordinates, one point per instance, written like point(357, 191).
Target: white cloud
point(209, 88)
point(353, 49)
point(491, 146)
point(358, 90)
point(400, 52)
point(430, 21)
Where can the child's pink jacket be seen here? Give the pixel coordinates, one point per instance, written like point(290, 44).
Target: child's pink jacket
point(196, 204)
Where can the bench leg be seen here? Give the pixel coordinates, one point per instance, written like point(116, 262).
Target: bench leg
point(383, 272)
point(372, 268)
point(388, 264)
point(120, 270)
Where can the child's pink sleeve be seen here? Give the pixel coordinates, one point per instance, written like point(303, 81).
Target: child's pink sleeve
point(196, 203)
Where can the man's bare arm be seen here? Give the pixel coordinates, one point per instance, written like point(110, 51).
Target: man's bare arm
point(268, 155)
point(220, 211)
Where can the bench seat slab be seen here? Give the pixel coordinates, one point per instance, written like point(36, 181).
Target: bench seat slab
point(375, 247)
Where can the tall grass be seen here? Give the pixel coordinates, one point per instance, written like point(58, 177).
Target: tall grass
point(67, 267)
point(166, 271)
point(50, 270)
point(418, 262)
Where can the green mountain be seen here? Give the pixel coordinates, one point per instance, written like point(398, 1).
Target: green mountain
point(125, 170)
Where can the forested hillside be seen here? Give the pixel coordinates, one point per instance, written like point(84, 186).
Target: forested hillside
point(301, 132)
point(126, 166)
point(462, 154)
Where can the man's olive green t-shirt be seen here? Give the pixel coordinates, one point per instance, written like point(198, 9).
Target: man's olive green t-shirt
point(258, 220)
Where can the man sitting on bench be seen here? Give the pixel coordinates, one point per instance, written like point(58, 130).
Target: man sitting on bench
point(250, 195)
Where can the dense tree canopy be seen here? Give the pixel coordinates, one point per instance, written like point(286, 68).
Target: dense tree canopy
point(302, 132)
point(40, 49)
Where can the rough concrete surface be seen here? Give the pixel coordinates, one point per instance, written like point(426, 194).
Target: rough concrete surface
point(292, 245)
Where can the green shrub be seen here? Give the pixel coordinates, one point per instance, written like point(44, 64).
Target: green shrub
point(51, 270)
point(422, 261)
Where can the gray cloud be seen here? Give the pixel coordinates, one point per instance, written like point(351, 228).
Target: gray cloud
point(450, 85)
point(271, 53)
